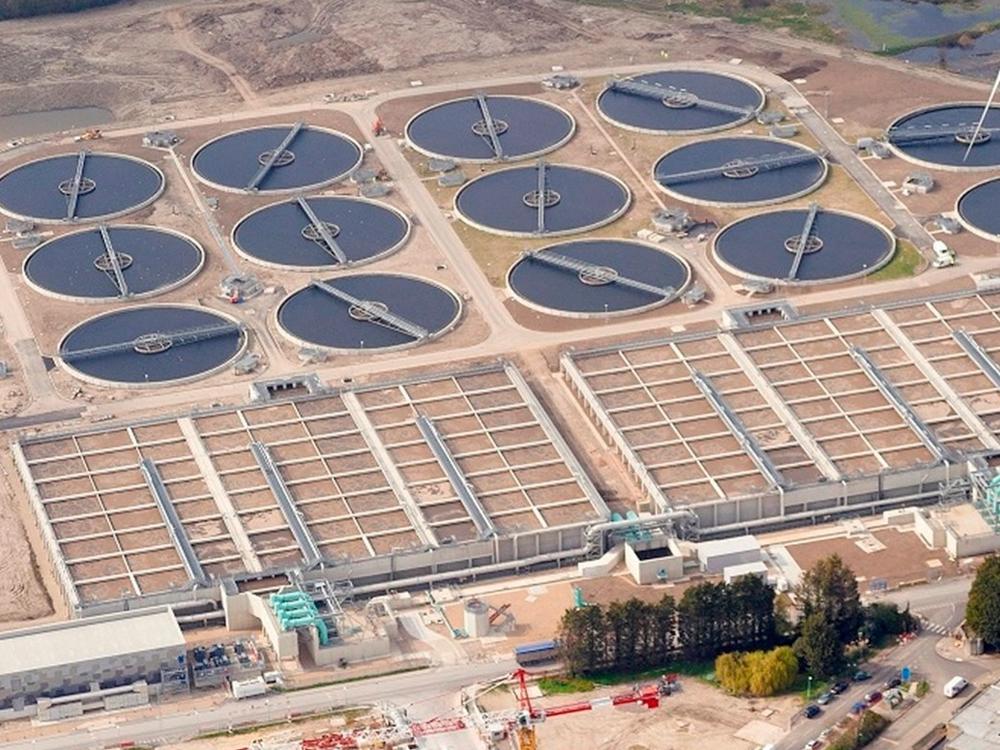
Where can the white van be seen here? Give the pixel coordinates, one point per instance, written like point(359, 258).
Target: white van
point(944, 256)
point(954, 686)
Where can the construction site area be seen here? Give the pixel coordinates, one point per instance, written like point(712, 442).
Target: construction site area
point(384, 379)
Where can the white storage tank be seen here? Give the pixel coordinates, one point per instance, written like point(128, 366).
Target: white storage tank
point(477, 618)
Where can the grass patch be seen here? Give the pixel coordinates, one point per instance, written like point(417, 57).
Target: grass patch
point(699, 670)
point(802, 688)
point(560, 685)
point(906, 262)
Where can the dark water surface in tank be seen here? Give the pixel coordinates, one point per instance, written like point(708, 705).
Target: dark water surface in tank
point(314, 316)
point(119, 183)
point(362, 229)
point(950, 152)
point(764, 185)
point(320, 157)
point(980, 206)
point(563, 289)
point(585, 199)
point(651, 114)
point(66, 265)
point(528, 126)
point(756, 245)
point(129, 366)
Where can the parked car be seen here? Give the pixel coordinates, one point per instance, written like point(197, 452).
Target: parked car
point(812, 711)
point(812, 745)
point(954, 686)
point(858, 708)
point(839, 687)
point(873, 697)
point(861, 675)
point(891, 683)
point(824, 698)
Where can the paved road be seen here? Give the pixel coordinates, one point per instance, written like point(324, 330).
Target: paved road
point(401, 690)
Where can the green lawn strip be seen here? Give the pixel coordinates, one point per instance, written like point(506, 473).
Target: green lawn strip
point(905, 263)
point(563, 684)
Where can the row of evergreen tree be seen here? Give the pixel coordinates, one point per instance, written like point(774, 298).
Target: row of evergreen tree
point(710, 619)
point(26, 8)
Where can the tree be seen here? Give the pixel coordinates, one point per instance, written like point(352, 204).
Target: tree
point(982, 613)
point(583, 639)
point(757, 673)
point(885, 618)
point(820, 646)
point(830, 589)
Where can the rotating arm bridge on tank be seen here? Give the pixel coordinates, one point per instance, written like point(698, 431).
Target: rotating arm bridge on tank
point(673, 97)
point(375, 312)
point(322, 230)
point(73, 196)
point(268, 163)
point(111, 263)
point(740, 167)
point(801, 244)
point(593, 274)
point(153, 342)
point(961, 132)
point(491, 126)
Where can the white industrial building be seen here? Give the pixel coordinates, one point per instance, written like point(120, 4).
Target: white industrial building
point(70, 664)
point(714, 556)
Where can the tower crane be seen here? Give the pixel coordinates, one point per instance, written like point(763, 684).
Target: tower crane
point(396, 730)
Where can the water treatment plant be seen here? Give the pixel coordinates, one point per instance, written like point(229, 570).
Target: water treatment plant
point(383, 345)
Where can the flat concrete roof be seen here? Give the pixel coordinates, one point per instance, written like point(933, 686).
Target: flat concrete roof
point(734, 571)
point(747, 543)
point(95, 638)
point(978, 722)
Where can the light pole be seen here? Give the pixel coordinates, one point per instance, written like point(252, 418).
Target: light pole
point(809, 688)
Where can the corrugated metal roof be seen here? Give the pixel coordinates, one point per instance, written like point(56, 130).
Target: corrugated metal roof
point(57, 644)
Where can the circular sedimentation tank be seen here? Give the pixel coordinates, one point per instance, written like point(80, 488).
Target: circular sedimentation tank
point(83, 186)
point(786, 246)
point(542, 199)
point(151, 345)
point(979, 209)
point(945, 136)
point(115, 262)
point(489, 128)
point(372, 311)
point(276, 159)
point(739, 171)
point(680, 102)
point(597, 277)
point(296, 234)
